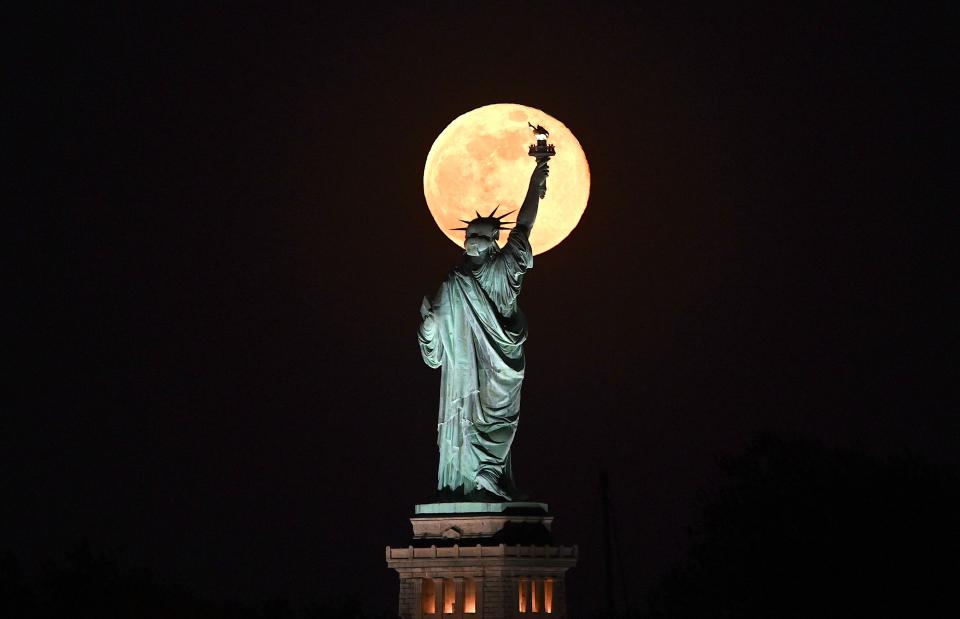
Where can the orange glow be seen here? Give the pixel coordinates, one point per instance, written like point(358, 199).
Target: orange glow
point(548, 596)
point(522, 594)
point(470, 596)
point(480, 160)
point(449, 596)
point(534, 601)
point(428, 596)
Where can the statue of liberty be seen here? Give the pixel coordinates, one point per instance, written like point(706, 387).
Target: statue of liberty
point(474, 330)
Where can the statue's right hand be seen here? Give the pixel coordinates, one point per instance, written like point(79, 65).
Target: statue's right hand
point(540, 173)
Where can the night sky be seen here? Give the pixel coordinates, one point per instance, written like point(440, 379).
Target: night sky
point(221, 244)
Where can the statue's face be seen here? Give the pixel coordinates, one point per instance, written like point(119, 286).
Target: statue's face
point(480, 236)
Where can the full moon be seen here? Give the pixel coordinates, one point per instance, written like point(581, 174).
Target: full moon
point(480, 160)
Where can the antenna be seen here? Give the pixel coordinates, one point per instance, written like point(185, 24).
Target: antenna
point(611, 546)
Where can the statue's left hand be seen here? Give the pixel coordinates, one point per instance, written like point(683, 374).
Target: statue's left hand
point(425, 308)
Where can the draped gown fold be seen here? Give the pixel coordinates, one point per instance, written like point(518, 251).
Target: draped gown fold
point(475, 332)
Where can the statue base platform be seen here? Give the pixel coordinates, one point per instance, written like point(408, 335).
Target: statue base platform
point(509, 522)
point(482, 560)
point(473, 507)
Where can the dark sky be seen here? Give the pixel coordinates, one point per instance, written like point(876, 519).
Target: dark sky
point(222, 243)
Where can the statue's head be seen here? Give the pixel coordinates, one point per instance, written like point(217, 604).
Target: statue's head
point(482, 232)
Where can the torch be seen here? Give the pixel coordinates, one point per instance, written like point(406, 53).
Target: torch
point(541, 150)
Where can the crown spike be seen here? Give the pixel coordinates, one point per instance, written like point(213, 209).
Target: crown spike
point(465, 221)
point(494, 211)
point(505, 214)
point(478, 214)
point(458, 228)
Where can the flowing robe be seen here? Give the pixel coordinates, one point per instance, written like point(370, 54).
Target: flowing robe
point(475, 333)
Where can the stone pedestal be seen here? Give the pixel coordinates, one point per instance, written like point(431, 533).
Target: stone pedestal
point(483, 560)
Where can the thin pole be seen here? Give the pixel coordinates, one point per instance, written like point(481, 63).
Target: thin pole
point(607, 551)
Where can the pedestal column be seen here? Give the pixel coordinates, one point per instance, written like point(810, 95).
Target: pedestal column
point(488, 553)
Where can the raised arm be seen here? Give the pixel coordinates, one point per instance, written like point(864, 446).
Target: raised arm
point(538, 181)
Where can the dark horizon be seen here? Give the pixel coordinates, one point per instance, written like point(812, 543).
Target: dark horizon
point(222, 243)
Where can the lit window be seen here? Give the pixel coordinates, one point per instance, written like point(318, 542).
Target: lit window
point(534, 599)
point(469, 595)
point(548, 596)
point(523, 590)
point(428, 595)
point(449, 596)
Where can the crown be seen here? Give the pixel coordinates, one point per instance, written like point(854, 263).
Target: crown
point(493, 220)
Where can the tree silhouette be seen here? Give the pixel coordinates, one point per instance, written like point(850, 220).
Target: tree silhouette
point(797, 530)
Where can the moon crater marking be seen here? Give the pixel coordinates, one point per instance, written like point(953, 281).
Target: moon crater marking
point(480, 160)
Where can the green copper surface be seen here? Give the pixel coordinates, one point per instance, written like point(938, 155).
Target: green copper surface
point(474, 330)
point(475, 507)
